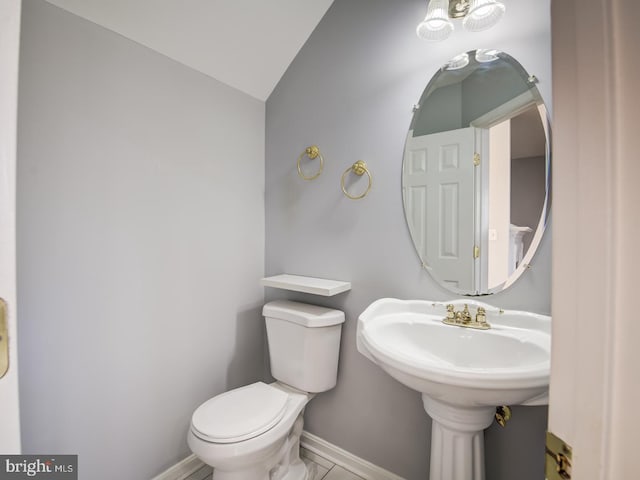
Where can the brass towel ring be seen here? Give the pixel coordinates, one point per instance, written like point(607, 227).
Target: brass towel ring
point(312, 153)
point(359, 168)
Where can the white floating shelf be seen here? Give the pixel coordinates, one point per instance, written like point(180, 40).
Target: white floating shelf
point(297, 283)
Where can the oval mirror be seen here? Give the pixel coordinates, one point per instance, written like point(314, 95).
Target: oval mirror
point(476, 172)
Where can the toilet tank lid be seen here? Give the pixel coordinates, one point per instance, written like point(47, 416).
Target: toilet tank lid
point(303, 313)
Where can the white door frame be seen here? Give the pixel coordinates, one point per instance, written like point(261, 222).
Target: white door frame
point(595, 388)
point(9, 52)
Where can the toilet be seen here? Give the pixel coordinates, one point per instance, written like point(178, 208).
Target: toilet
point(253, 432)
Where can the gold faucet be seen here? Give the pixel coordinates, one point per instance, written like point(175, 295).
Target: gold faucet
point(463, 318)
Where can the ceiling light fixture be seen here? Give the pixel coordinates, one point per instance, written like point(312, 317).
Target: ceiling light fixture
point(476, 15)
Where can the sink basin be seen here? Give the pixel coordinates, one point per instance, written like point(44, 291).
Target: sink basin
point(462, 373)
point(505, 365)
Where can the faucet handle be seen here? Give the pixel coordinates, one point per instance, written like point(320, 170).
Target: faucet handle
point(466, 315)
point(451, 314)
point(481, 316)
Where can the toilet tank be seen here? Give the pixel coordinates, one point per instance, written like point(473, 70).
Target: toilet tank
point(304, 344)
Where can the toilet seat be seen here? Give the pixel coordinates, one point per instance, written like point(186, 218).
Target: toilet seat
point(239, 414)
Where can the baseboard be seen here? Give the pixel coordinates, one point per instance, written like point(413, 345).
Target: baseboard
point(337, 455)
point(182, 469)
point(310, 442)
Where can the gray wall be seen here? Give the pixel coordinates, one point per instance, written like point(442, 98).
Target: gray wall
point(458, 97)
point(140, 245)
point(482, 93)
point(351, 91)
point(528, 183)
point(440, 112)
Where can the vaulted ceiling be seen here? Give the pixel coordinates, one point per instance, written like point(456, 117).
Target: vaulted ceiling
point(247, 44)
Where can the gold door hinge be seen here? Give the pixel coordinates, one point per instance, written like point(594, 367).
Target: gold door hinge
point(558, 459)
point(476, 251)
point(476, 159)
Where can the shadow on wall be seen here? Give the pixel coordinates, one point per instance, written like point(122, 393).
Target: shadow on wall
point(247, 364)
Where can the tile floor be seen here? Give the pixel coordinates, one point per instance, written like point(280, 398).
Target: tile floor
point(323, 469)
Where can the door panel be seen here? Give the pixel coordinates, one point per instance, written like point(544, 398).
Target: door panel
point(439, 186)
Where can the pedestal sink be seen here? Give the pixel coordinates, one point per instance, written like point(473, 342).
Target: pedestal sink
point(462, 373)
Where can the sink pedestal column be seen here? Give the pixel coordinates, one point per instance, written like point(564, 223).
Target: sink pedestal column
point(457, 440)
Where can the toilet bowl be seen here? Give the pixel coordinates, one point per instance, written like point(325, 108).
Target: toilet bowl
point(253, 432)
point(252, 439)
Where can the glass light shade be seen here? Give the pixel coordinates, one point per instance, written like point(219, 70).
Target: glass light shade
point(486, 55)
point(483, 14)
point(458, 62)
point(436, 25)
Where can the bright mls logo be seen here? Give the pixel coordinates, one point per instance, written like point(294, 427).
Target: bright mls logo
point(39, 467)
